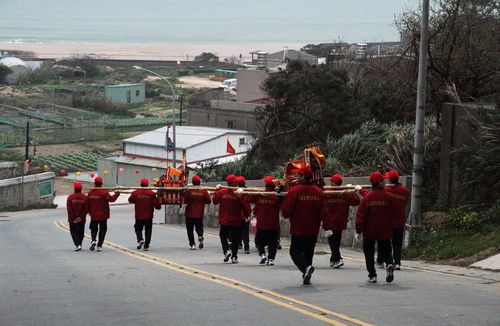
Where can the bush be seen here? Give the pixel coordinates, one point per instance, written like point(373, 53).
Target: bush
point(4, 71)
point(212, 172)
point(43, 74)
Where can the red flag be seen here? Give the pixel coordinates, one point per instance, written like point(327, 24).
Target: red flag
point(229, 148)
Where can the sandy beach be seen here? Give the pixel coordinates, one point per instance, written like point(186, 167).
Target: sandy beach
point(141, 51)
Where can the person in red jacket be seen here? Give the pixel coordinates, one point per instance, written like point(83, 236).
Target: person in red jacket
point(195, 208)
point(302, 207)
point(245, 224)
point(145, 202)
point(76, 205)
point(98, 208)
point(374, 220)
point(335, 216)
point(232, 209)
point(401, 195)
point(267, 212)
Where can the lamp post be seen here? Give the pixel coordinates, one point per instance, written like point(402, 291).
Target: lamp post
point(173, 105)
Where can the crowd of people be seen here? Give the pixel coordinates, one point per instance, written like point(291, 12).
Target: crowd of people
point(380, 218)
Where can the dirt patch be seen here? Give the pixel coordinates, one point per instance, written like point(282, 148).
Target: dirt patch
point(197, 82)
point(108, 146)
point(65, 186)
point(433, 220)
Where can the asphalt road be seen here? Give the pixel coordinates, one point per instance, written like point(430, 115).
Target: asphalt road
point(43, 282)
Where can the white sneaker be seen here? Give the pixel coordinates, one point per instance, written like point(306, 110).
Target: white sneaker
point(234, 260)
point(372, 279)
point(92, 245)
point(390, 274)
point(270, 262)
point(397, 267)
point(99, 249)
point(193, 247)
point(338, 264)
point(380, 265)
point(332, 264)
point(263, 259)
point(200, 242)
point(140, 244)
point(227, 256)
point(78, 248)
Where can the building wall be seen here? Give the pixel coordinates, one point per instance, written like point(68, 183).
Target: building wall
point(118, 94)
point(15, 192)
point(8, 170)
point(128, 177)
point(217, 147)
point(224, 114)
point(249, 85)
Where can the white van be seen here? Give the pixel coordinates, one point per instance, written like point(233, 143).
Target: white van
point(229, 84)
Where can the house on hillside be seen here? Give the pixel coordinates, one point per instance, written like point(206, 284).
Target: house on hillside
point(125, 93)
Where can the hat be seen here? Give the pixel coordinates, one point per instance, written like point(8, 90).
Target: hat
point(336, 178)
point(240, 179)
point(268, 179)
point(98, 180)
point(144, 182)
point(392, 175)
point(231, 178)
point(306, 171)
point(376, 177)
point(196, 178)
point(77, 185)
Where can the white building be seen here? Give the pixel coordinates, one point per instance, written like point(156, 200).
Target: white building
point(18, 67)
point(147, 151)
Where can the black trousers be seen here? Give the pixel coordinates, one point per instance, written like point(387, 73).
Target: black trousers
point(397, 244)
point(230, 232)
point(384, 251)
point(101, 227)
point(334, 242)
point(245, 235)
point(191, 224)
point(77, 231)
point(302, 250)
point(267, 238)
point(147, 225)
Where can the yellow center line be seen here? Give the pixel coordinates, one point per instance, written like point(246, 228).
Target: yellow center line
point(320, 313)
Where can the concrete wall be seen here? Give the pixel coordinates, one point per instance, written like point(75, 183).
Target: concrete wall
point(222, 114)
point(118, 94)
point(175, 215)
point(15, 192)
point(8, 170)
point(249, 85)
point(128, 177)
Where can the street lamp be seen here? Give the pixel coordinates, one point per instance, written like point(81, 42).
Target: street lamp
point(173, 104)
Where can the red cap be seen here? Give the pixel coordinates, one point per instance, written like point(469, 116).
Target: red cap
point(144, 182)
point(240, 179)
point(392, 175)
point(77, 185)
point(336, 178)
point(306, 171)
point(231, 178)
point(196, 178)
point(376, 177)
point(98, 179)
point(268, 179)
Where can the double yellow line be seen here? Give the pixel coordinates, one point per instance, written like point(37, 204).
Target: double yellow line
point(311, 310)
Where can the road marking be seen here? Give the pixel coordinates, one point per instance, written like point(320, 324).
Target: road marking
point(302, 307)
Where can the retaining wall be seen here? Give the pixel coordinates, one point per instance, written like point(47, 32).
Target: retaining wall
point(35, 189)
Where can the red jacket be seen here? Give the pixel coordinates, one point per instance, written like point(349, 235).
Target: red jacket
point(303, 207)
point(401, 194)
point(375, 216)
point(195, 202)
point(76, 205)
point(335, 212)
point(145, 201)
point(267, 211)
point(232, 207)
point(98, 204)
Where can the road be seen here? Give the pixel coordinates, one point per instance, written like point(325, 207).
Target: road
point(43, 282)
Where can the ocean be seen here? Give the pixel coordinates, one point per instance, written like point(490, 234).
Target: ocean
point(200, 21)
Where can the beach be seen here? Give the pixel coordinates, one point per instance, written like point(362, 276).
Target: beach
point(58, 50)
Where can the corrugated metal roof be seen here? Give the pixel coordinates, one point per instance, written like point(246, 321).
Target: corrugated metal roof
point(139, 161)
point(187, 136)
point(12, 61)
point(125, 85)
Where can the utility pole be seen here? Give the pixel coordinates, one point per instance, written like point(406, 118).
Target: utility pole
point(418, 151)
point(180, 109)
point(27, 145)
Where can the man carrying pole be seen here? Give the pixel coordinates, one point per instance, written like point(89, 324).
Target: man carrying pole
point(245, 226)
point(145, 202)
point(76, 206)
point(196, 199)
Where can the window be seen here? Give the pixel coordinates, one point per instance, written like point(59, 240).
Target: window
point(230, 124)
point(242, 141)
point(137, 93)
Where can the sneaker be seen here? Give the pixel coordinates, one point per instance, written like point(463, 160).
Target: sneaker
point(263, 259)
point(140, 244)
point(99, 249)
point(240, 246)
point(332, 263)
point(146, 248)
point(200, 240)
point(234, 260)
point(192, 247)
point(307, 275)
point(92, 245)
point(78, 248)
point(380, 265)
point(397, 267)
point(372, 279)
point(227, 256)
point(270, 262)
point(279, 245)
point(338, 264)
point(390, 274)
point(247, 252)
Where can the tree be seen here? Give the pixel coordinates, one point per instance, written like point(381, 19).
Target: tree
point(4, 71)
point(207, 57)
